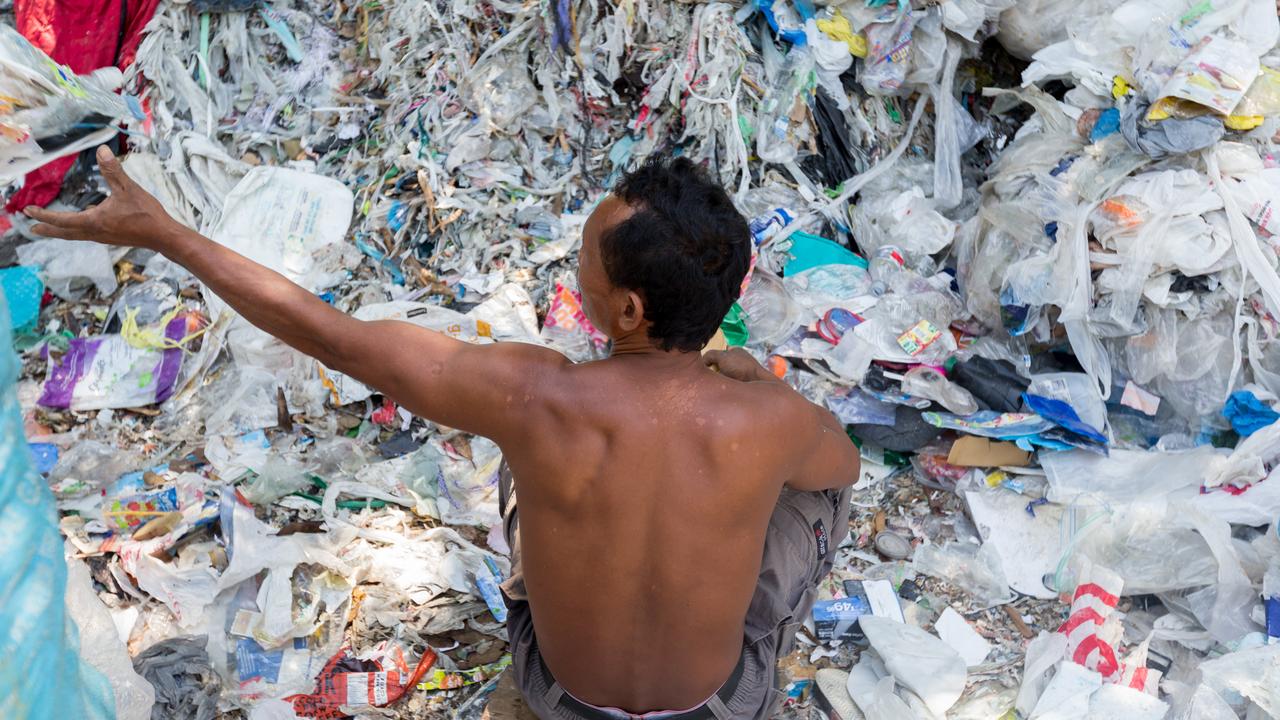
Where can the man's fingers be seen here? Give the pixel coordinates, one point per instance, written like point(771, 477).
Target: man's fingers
point(112, 171)
point(711, 358)
point(64, 233)
point(60, 219)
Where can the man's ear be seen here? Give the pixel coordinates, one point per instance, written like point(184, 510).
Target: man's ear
point(632, 315)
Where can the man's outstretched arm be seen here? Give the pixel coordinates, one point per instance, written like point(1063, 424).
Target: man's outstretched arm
point(480, 389)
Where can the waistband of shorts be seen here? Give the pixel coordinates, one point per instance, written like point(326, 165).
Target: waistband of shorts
point(701, 712)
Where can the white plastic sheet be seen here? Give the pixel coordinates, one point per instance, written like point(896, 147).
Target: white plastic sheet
point(918, 661)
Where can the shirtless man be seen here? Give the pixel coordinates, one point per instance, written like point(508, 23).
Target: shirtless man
point(673, 520)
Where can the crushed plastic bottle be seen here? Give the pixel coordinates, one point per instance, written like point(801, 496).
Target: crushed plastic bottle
point(929, 382)
point(885, 266)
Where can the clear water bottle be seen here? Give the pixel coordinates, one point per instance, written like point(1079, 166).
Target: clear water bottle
point(885, 266)
point(775, 141)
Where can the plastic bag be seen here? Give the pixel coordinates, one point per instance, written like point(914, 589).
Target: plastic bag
point(905, 220)
point(1126, 476)
point(1253, 673)
point(185, 685)
point(928, 382)
point(108, 372)
point(100, 646)
point(277, 478)
point(467, 488)
point(1076, 390)
point(1205, 704)
point(771, 314)
point(1224, 608)
point(827, 286)
point(87, 466)
point(279, 218)
point(888, 49)
point(947, 143)
point(918, 661)
point(1030, 25)
point(65, 265)
point(883, 704)
point(1043, 653)
point(146, 303)
point(43, 101)
point(43, 677)
point(974, 568)
point(241, 400)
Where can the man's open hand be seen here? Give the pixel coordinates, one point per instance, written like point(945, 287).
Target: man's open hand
point(130, 216)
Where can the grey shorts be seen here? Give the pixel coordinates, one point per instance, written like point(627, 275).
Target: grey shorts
point(799, 548)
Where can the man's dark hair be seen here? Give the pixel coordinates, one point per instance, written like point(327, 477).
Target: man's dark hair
point(685, 250)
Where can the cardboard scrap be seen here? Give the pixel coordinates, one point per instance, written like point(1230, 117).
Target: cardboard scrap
point(973, 451)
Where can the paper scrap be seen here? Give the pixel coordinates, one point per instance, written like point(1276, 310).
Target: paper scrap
point(960, 635)
point(883, 599)
point(919, 337)
point(1139, 399)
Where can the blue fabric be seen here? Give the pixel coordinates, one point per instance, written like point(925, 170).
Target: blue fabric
point(1247, 413)
point(41, 673)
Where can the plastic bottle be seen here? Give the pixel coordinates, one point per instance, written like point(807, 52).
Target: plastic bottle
point(765, 226)
point(775, 142)
point(885, 266)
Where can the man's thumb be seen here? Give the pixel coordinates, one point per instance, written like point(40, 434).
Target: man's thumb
point(110, 167)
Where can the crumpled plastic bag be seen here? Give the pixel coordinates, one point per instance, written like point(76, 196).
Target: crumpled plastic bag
point(1253, 673)
point(45, 100)
point(65, 265)
point(918, 660)
point(974, 568)
point(108, 372)
point(298, 213)
point(1029, 25)
point(1172, 136)
point(100, 646)
point(186, 686)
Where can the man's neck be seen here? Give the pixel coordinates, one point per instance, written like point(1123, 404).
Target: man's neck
point(642, 348)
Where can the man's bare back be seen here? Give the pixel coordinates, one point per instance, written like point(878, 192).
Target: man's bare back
point(649, 486)
point(642, 518)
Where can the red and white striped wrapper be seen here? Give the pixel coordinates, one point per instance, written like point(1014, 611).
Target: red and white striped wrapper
point(1094, 632)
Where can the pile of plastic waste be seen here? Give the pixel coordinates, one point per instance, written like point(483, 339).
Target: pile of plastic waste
point(1023, 250)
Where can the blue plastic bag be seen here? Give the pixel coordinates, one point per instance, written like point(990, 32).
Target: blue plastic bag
point(41, 673)
point(1247, 413)
point(22, 286)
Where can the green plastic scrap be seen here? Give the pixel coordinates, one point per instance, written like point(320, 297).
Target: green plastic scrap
point(276, 23)
point(317, 481)
point(892, 109)
point(734, 327)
